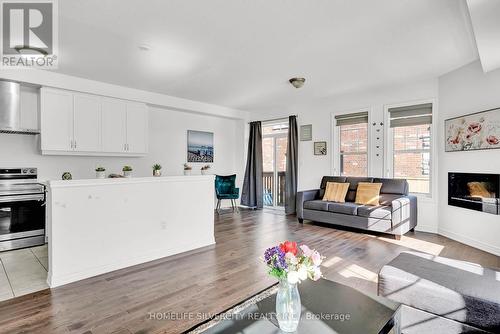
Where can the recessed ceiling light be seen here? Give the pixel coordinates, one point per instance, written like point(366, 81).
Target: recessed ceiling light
point(144, 47)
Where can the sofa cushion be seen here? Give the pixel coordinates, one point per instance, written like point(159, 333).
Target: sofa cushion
point(353, 186)
point(335, 192)
point(378, 212)
point(347, 208)
point(458, 290)
point(368, 193)
point(316, 204)
point(393, 186)
point(326, 179)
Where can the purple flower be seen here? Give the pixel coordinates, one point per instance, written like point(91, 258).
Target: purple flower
point(275, 257)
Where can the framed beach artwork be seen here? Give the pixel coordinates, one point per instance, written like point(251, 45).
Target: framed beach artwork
point(200, 146)
point(478, 131)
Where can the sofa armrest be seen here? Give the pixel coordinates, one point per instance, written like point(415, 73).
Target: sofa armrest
point(404, 209)
point(303, 196)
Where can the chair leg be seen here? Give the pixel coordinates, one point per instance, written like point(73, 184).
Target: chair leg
point(232, 204)
point(218, 206)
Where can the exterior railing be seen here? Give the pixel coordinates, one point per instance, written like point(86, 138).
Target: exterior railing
point(269, 191)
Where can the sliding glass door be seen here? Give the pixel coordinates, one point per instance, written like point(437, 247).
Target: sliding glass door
point(274, 144)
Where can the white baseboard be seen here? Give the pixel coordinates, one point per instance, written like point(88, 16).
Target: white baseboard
point(426, 228)
point(65, 278)
point(469, 241)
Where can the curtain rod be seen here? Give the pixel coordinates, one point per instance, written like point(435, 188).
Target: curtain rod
point(275, 119)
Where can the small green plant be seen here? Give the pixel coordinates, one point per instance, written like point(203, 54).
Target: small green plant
point(127, 168)
point(156, 167)
point(187, 167)
point(100, 169)
point(206, 167)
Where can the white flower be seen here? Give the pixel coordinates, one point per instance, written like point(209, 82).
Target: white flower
point(293, 277)
point(292, 259)
point(302, 273)
point(317, 274)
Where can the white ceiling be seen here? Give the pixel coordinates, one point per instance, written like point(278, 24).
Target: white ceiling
point(241, 53)
point(485, 17)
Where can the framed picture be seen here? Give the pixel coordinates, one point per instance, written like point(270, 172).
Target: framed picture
point(306, 132)
point(320, 148)
point(200, 146)
point(477, 131)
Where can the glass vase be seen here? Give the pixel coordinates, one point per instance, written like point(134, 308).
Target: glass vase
point(288, 306)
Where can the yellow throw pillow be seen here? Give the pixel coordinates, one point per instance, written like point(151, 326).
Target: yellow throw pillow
point(336, 192)
point(368, 193)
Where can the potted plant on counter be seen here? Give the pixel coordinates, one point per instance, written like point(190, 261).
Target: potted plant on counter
point(205, 170)
point(127, 171)
point(156, 170)
point(100, 172)
point(187, 169)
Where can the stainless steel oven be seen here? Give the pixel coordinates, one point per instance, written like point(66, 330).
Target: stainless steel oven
point(22, 209)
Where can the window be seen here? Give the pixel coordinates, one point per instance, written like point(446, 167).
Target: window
point(353, 142)
point(411, 145)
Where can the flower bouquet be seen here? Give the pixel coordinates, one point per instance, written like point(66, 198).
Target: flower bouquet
point(291, 265)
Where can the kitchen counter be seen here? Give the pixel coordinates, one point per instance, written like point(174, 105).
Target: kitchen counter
point(100, 225)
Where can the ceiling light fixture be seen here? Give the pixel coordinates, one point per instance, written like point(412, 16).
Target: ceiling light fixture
point(297, 82)
point(144, 47)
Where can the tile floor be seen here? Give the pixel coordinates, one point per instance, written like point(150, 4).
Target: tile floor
point(23, 271)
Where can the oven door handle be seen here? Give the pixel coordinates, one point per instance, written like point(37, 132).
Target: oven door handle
point(21, 198)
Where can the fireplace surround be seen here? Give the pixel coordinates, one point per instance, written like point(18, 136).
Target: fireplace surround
point(475, 191)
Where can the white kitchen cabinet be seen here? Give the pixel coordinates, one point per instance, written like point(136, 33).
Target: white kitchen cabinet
point(86, 123)
point(137, 125)
point(114, 123)
point(56, 120)
point(83, 124)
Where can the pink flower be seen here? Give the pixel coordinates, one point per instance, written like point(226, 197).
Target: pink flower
point(492, 140)
point(306, 250)
point(316, 258)
point(474, 127)
point(455, 140)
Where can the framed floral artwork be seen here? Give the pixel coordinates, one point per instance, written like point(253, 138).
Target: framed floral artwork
point(478, 131)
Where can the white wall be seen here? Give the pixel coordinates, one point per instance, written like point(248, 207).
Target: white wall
point(167, 146)
point(463, 91)
point(319, 114)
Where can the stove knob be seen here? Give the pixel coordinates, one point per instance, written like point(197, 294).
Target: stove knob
point(33, 171)
point(25, 171)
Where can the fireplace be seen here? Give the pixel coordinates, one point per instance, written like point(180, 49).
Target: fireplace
point(475, 191)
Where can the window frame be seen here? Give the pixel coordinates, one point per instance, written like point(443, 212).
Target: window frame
point(335, 133)
point(389, 147)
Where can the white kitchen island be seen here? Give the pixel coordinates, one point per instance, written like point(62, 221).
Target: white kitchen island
point(97, 226)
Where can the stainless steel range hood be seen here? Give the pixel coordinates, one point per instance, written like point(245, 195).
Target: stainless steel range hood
point(10, 116)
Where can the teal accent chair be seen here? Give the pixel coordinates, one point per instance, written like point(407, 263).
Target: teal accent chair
point(225, 189)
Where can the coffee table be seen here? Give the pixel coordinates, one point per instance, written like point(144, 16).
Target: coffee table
point(327, 307)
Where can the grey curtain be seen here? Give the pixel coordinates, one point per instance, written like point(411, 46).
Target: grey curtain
point(291, 166)
point(252, 194)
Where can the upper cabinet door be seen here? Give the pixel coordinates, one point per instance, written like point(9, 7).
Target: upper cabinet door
point(87, 123)
point(137, 125)
point(56, 121)
point(114, 118)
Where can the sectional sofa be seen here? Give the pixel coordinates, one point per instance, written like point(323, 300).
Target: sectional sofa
point(396, 214)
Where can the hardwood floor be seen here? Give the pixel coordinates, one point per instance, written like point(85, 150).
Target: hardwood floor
point(137, 299)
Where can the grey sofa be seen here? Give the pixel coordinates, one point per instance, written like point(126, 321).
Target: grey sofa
point(442, 295)
point(396, 214)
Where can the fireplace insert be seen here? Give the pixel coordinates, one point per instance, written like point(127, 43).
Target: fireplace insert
point(475, 191)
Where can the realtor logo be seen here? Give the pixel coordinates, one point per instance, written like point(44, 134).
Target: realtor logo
point(29, 33)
